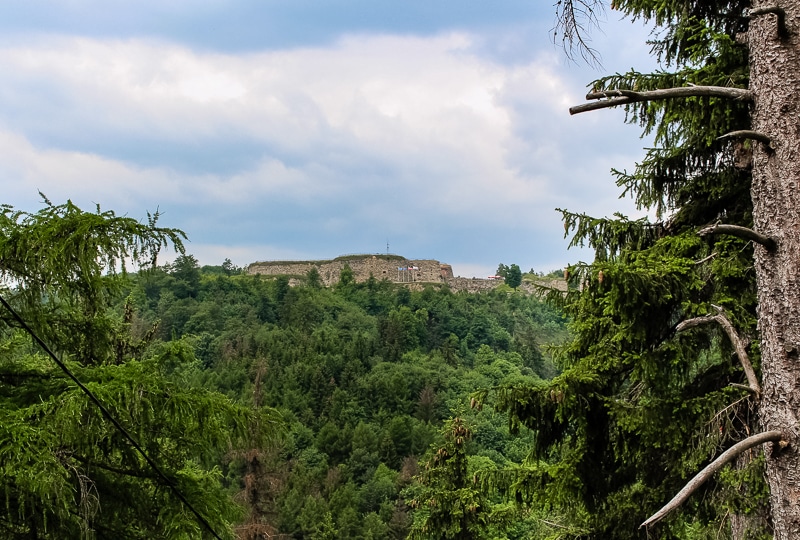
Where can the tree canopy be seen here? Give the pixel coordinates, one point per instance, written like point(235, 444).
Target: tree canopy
point(68, 471)
point(512, 275)
point(366, 376)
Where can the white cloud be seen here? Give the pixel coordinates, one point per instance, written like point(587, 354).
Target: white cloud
point(63, 173)
point(374, 129)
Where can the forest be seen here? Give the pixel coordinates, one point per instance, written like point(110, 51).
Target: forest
point(364, 377)
point(267, 410)
point(147, 400)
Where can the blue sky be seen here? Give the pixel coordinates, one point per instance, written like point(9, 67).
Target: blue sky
point(297, 129)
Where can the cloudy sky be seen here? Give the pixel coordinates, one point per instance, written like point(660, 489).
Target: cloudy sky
point(291, 129)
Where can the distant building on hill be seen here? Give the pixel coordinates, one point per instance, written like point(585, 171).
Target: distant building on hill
point(395, 268)
point(392, 267)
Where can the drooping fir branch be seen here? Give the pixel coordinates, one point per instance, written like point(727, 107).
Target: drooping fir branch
point(749, 134)
point(624, 97)
point(171, 484)
point(778, 11)
point(736, 340)
point(710, 469)
point(609, 235)
point(741, 232)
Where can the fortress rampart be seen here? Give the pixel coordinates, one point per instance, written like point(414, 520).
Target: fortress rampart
point(392, 267)
point(397, 269)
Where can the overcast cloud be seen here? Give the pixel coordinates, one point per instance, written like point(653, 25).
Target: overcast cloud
point(287, 130)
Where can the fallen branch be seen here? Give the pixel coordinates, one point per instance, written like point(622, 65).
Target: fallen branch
point(749, 134)
point(709, 470)
point(736, 340)
point(783, 32)
point(623, 97)
point(741, 232)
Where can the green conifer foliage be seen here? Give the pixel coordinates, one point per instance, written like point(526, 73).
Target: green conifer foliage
point(639, 407)
point(448, 502)
point(65, 470)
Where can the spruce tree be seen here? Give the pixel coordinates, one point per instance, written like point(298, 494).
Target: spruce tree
point(687, 327)
point(448, 503)
point(67, 470)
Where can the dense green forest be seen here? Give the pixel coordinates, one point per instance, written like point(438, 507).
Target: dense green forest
point(184, 402)
point(363, 375)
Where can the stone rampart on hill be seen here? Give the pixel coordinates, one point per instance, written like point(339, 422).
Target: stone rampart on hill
point(391, 267)
point(397, 269)
point(416, 272)
point(480, 285)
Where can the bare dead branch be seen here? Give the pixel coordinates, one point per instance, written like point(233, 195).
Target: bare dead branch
point(741, 232)
point(749, 134)
point(739, 346)
point(737, 341)
point(783, 32)
point(697, 321)
point(741, 387)
point(706, 259)
point(709, 470)
point(623, 97)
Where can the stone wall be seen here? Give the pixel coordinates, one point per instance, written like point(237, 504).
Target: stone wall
point(415, 272)
point(480, 285)
point(393, 268)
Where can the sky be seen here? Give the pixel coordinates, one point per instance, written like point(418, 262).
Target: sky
point(291, 129)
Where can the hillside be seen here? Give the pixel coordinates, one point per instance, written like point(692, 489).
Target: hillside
point(363, 376)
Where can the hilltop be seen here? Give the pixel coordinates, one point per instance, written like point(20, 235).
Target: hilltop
point(393, 268)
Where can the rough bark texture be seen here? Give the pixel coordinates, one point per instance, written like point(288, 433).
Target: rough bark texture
point(775, 82)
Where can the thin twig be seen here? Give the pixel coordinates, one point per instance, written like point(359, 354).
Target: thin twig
point(706, 259)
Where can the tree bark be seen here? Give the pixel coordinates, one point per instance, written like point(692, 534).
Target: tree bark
point(774, 83)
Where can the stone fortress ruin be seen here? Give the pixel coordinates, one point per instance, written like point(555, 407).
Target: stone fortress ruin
point(415, 272)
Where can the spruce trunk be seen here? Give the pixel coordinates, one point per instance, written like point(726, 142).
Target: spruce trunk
point(775, 83)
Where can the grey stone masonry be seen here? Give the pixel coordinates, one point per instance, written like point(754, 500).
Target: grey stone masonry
point(391, 267)
point(397, 269)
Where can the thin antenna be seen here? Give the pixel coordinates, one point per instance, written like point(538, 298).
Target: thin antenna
point(387, 246)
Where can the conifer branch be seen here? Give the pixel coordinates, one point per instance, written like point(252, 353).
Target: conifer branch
point(741, 232)
point(736, 340)
point(709, 470)
point(623, 97)
point(783, 32)
point(112, 469)
point(749, 134)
